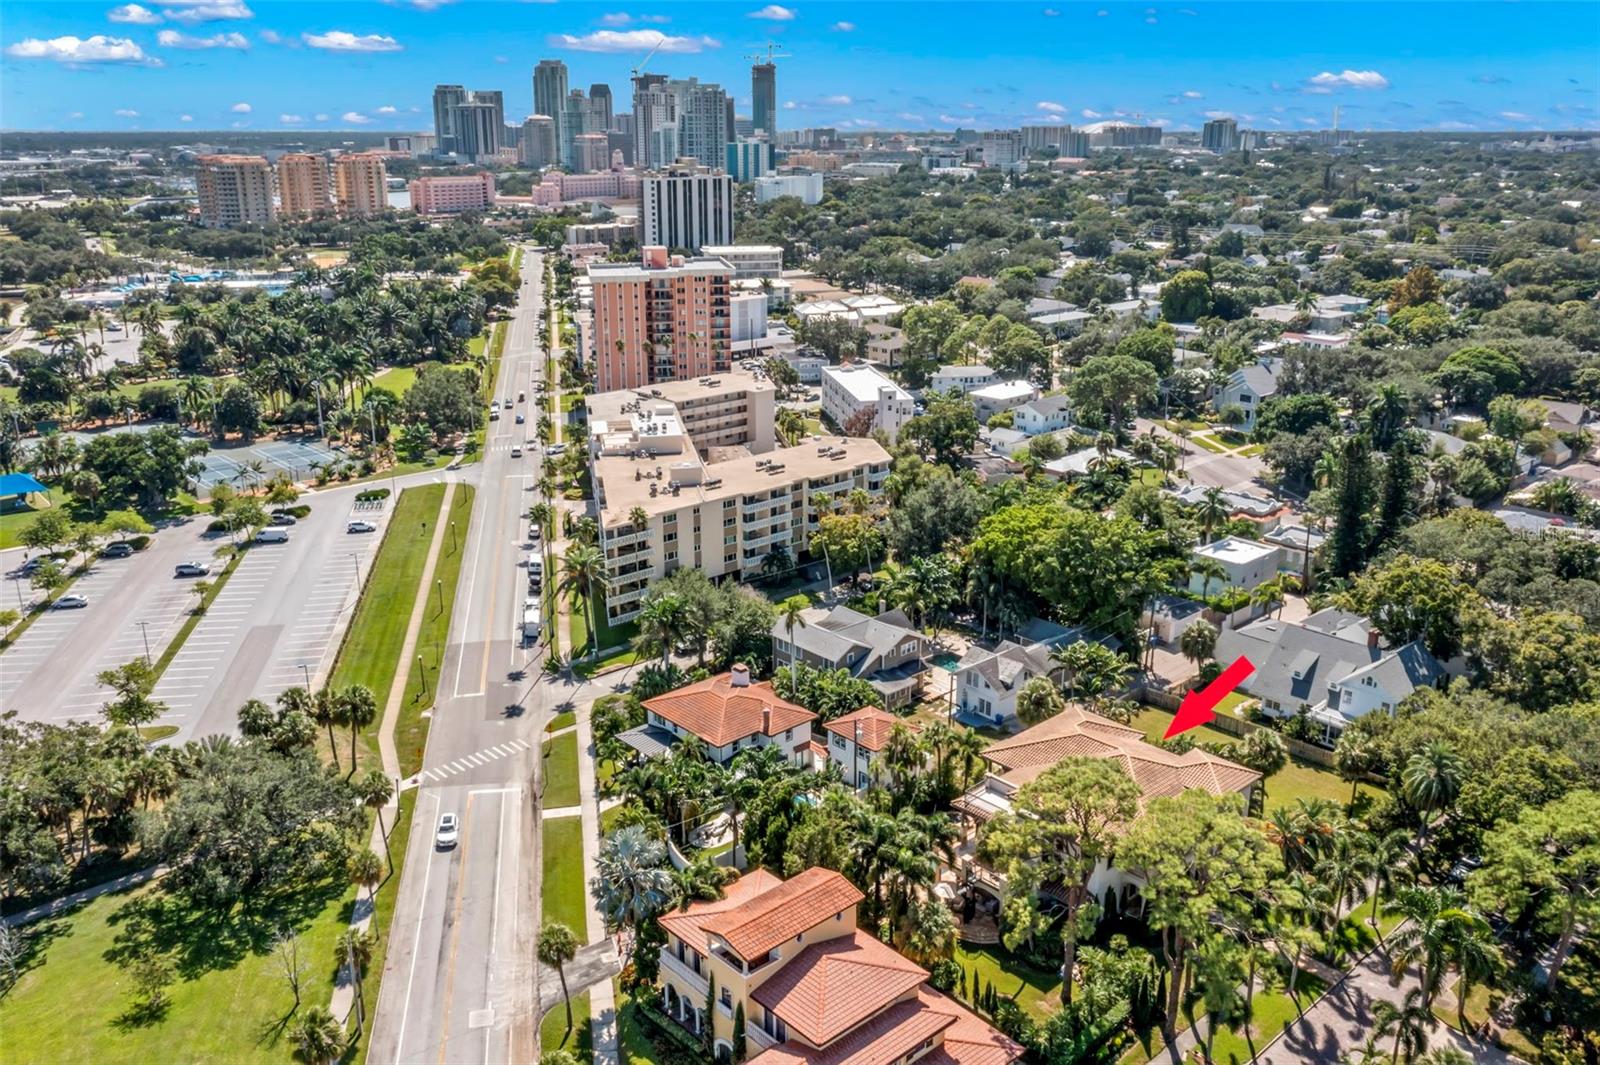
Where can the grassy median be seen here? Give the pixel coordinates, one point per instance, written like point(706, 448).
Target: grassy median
point(561, 888)
point(422, 685)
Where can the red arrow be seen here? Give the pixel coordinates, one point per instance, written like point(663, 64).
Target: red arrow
point(1195, 710)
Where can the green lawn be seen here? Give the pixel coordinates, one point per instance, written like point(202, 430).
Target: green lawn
point(1037, 991)
point(633, 1045)
point(578, 629)
point(1297, 780)
point(397, 379)
point(1271, 1010)
point(565, 719)
point(561, 888)
point(555, 1035)
point(1209, 443)
point(16, 517)
point(560, 772)
point(229, 999)
point(411, 732)
point(372, 644)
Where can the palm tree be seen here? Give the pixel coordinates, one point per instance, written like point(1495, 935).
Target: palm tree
point(584, 574)
point(1213, 512)
point(357, 709)
point(353, 950)
point(1209, 570)
point(1386, 853)
point(1198, 642)
point(319, 1036)
point(632, 882)
point(661, 625)
point(366, 869)
point(1430, 783)
point(1409, 1021)
point(324, 709)
point(376, 789)
point(792, 613)
point(1437, 923)
point(557, 946)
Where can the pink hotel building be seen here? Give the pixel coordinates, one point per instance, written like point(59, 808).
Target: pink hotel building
point(452, 194)
point(666, 318)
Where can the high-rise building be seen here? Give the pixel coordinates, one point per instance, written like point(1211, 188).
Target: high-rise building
point(413, 144)
point(550, 90)
point(1219, 135)
point(590, 152)
point(743, 126)
point(446, 98)
point(361, 184)
point(1075, 145)
point(234, 190)
point(654, 108)
point(764, 97)
point(665, 318)
point(808, 187)
point(479, 128)
point(749, 159)
point(536, 147)
point(600, 102)
point(1036, 138)
point(497, 99)
point(1135, 136)
point(452, 194)
point(729, 119)
point(1002, 149)
point(686, 207)
point(702, 112)
point(302, 185)
point(622, 142)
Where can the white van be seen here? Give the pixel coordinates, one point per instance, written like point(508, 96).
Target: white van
point(272, 536)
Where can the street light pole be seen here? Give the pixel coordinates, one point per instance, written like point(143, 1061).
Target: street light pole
point(305, 671)
point(422, 675)
point(144, 629)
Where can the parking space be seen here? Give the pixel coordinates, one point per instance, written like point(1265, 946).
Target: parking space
point(147, 631)
point(308, 646)
point(33, 650)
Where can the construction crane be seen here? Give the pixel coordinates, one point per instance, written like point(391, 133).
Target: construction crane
point(772, 53)
point(661, 39)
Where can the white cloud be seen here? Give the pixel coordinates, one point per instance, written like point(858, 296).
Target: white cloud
point(774, 12)
point(343, 41)
point(241, 109)
point(844, 27)
point(1327, 81)
point(616, 18)
point(639, 41)
point(1516, 116)
point(909, 116)
point(656, 20)
point(1052, 118)
point(134, 15)
point(205, 10)
point(126, 112)
point(1220, 114)
point(76, 50)
point(1051, 106)
point(951, 120)
point(1456, 126)
point(838, 100)
point(790, 105)
point(321, 117)
point(272, 37)
point(1191, 94)
point(1102, 13)
point(76, 114)
point(289, 120)
point(185, 118)
point(388, 109)
point(174, 39)
point(1051, 12)
point(355, 118)
point(1152, 20)
point(1086, 113)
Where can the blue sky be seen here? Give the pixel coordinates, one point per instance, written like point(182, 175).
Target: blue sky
point(270, 64)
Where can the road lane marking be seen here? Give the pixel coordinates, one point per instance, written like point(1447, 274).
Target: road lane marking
point(416, 944)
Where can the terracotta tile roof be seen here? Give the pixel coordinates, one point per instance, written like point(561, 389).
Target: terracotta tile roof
point(819, 750)
point(901, 1029)
point(758, 924)
point(1077, 733)
point(720, 713)
point(689, 925)
point(831, 987)
point(876, 725)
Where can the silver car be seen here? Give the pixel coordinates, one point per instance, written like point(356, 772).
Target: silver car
point(449, 832)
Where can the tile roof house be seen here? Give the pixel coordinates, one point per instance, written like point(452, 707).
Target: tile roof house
point(812, 987)
point(856, 739)
point(1077, 733)
point(728, 713)
point(887, 650)
point(1332, 664)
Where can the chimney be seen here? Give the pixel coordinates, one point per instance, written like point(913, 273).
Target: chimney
point(1372, 639)
point(766, 720)
point(739, 676)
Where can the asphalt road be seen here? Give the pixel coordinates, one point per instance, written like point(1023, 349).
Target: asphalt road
point(460, 979)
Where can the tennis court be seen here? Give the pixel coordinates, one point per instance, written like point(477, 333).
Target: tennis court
point(234, 464)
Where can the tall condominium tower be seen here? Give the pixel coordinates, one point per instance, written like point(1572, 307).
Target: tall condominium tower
point(550, 92)
point(302, 185)
point(479, 129)
point(445, 99)
point(665, 318)
point(537, 145)
point(234, 189)
point(703, 132)
point(361, 184)
point(687, 207)
point(600, 103)
point(764, 97)
point(654, 109)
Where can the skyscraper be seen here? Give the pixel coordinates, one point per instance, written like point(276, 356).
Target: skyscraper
point(361, 184)
point(600, 104)
point(764, 97)
point(550, 93)
point(702, 111)
point(749, 158)
point(654, 108)
point(591, 152)
point(497, 99)
point(537, 145)
point(479, 128)
point(1219, 135)
point(302, 185)
point(234, 189)
point(445, 99)
point(687, 207)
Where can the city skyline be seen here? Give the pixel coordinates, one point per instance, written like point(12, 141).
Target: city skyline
point(226, 64)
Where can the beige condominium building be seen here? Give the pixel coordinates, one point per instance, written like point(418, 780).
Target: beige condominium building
point(234, 190)
point(664, 318)
point(688, 473)
point(361, 184)
point(302, 185)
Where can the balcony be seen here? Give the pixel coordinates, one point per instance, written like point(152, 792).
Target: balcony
point(685, 972)
point(759, 1038)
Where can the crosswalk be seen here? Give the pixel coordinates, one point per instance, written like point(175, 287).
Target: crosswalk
point(469, 762)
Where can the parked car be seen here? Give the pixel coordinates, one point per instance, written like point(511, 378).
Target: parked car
point(359, 526)
point(191, 569)
point(272, 536)
point(30, 567)
point(117, 550)
point(283, 518)
point(70, 602)
point(494, 416)
point(555, 449)
point(449, 832)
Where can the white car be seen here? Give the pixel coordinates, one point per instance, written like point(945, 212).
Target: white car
point(556, 449)
point(516, 451)
point(359, 526)
point(449, 832)
point(70, 602)
point(192, 569)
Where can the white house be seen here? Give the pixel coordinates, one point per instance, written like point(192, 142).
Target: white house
point(884, 343)
point(1002, 395)
point(856, 741)
point(962, 378)
point(1045, 414)
point(1245, 564)
point(853, 388)
point(1247, 387)
point(987, 682)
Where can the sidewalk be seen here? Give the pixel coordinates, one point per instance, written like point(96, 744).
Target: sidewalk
point(344, 991)
point(67, 902)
